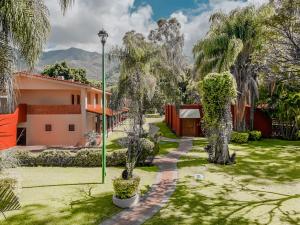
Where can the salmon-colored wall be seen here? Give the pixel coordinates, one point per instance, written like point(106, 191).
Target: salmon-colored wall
point(8, 130)
point(60, 134)
point(53, 109)
point(47, 97)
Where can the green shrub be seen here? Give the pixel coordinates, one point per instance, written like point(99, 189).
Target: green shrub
point(26, 158)
point(126, 188)
point(147, 149)
point(116, 158)
point(87, 158)
point(239, 137)
point(254, 135)
point(61, 158)
point(65, 158)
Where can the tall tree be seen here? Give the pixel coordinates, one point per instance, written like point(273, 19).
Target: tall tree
point(218, 91)
point(171, 65)
point(136, 85)
point(24, 28)
point(229, 45)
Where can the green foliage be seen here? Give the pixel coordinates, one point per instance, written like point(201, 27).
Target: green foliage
point(8, 199)
point(239, 137)
point(54, 158)
point(217, 90)
point(66, 158)
point(254, 135)
point(62, 69)
point(126, 188)
point(147, 149)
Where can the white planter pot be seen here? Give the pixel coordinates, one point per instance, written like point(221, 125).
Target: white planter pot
point(126, 203)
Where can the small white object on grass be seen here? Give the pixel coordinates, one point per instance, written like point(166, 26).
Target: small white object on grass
point(199, 176)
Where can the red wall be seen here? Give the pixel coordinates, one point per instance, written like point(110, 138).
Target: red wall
point(262, 121)
point(8, 130)
point(8, 126)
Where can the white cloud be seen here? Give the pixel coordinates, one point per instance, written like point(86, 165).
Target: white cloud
point(82, 22)
point(79, 27)
point(196, 26)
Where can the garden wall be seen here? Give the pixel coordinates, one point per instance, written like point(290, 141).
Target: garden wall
point(8, 127)
point(262, 121)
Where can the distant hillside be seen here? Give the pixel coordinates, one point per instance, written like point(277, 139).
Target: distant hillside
point(90, 61)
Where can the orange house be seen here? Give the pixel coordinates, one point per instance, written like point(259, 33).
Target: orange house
point(58, 112)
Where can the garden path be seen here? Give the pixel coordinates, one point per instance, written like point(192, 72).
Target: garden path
point(160, 192)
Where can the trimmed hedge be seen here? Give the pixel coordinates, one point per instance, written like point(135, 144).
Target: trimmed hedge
point(65, 158)
point(254, 135)
point(126, 188)
point(239, 137)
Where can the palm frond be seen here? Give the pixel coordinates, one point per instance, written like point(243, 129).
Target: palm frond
point(8, 199)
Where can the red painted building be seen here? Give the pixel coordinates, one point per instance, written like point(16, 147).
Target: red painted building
point(186, 120)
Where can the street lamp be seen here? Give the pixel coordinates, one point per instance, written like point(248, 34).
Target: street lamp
point(103, 35)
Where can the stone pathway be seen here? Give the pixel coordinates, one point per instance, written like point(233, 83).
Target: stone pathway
point(160, 192)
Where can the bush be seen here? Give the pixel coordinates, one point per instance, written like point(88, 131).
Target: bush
point(147, 149)
point(239, 137)
point(26, 158)
point(65, 158)
point(87, 158)
point(116, 158)
point(254, 135)
point(54, 158)
point(126, 188)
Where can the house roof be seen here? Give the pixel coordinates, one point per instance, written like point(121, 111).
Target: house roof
point(67, 82)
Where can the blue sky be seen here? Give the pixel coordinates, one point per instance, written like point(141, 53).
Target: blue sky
point(164, 8)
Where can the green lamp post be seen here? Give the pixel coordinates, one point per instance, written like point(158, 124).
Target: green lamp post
point(103, 36)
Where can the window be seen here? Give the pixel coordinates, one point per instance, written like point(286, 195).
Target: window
point(97, 99)
point(78, 99)
point(71, 127)
point(73, 99)
point(48, 127)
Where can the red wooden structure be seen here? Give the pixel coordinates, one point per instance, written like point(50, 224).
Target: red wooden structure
point(192, 126)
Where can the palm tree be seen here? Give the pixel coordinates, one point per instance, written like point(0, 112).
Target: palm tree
point(24, 28)
point(229, 45)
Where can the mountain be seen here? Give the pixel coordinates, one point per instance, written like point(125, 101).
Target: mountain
point(79, 58)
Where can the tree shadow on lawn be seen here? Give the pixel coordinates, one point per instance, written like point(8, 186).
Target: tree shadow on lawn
point(270, 159)
point(189, 206)
point(88, 211)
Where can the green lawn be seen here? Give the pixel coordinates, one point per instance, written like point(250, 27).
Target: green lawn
point(165, 130)
point(262, 188)
point(165, 147)
point(68, 196)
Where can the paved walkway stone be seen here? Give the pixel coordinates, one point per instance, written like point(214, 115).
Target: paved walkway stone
point(160, 192)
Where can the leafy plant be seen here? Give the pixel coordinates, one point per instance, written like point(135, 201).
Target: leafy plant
point(218, 91)
point(254, 135)
point(126, 188)
point(8, 199)
point(239, 137)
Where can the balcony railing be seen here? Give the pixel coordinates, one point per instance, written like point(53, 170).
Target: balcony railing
point(53, 109)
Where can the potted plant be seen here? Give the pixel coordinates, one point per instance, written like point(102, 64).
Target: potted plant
point(126, 191)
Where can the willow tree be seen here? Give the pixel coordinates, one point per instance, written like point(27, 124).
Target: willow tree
point(136, 85)
point(229, 46)
point(24, 28)
point(217, 92)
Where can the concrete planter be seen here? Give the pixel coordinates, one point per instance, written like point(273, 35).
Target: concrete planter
point(126, 203)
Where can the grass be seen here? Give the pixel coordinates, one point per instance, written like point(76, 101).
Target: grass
point(67, 196)
point(263, 187)
point(165, 147)
point(165, 130)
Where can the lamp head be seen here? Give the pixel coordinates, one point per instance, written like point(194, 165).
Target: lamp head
point(103, 35)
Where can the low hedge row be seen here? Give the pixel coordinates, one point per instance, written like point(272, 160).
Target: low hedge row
point(244, 137)
point(65, 158)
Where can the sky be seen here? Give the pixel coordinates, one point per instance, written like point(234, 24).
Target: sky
point(79, 27)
